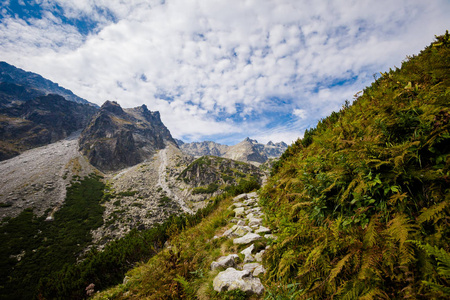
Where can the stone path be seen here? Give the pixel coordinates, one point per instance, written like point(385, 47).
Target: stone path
point(247, 230)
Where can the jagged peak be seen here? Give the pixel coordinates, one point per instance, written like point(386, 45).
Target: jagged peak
point(270, 143)
point(112, 106)
point(247, 139)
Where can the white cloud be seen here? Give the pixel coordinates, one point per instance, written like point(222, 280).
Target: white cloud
point(210, 66)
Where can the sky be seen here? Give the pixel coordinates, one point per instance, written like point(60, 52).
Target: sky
point(219, 70)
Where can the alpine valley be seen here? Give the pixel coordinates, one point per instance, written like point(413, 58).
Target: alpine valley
point(76, 177)
point(103, 202)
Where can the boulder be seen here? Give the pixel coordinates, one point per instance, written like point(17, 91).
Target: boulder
point(225, 261)
point(232, 279)
point(247, 239)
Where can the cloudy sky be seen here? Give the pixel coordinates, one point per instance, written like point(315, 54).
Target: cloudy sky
point(219, 70)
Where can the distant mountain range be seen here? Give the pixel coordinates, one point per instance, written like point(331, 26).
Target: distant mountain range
point(247, 151)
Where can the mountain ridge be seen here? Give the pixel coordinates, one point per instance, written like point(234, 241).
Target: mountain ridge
point(247, 150)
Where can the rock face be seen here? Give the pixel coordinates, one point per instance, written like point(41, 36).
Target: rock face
point(246, 151)
point(117, 138)
point(35, 111)
point(40, 121)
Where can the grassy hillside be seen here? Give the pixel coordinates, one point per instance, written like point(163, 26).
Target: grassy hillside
point(362, 202)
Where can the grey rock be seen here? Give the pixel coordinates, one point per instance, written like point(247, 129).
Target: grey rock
point(259, 255)
point(247, 239)
point(239, 211)
point(250, 267)
point(262, 229)
point(232, 279)
point(254, 222)
point(225, 261)
point(248, 254)
point(259, 270)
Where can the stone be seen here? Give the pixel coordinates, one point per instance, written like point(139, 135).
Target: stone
point(225, 261)
point(252, 195)
point(259, 255)
point(239, 211)
point(241, 231)
point(241, 222)
point(248, 254)
point(239, 197)
point(259, 270)
point(270, 237)
point(232, 279)
point(247, 239)
point(262, 229)
point(250, 267)
point(254, 222)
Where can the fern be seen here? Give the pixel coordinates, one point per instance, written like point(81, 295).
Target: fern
point(338, 267)
point(432, 213)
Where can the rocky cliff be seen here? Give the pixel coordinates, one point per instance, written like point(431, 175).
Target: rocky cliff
point(39, 121)
point(117, 138)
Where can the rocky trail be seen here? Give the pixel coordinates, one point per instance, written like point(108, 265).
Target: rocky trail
point(242, 273)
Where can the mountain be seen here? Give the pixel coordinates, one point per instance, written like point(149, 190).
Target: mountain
point(203, 148)
point(40, 121)
point(116, 138)
point(247, 151)
point(17, 84)
point(35, 111)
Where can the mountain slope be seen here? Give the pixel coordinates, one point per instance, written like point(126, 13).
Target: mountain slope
point(362, 201)
point(40, 121)
point(117, 138)
point(17, 83)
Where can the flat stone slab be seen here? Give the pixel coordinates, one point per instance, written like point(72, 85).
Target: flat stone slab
point(262, 229)
point(239, 211)
point(254, 222)
point(247, 239)
point(250, 267)
point(239, 197)
point(224, 262)
point(232, 279)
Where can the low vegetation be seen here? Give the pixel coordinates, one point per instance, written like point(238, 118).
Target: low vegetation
point(361, 203)
point(32, 248)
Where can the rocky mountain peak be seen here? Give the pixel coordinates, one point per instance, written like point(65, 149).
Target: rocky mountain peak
point(117, 138)
point(249, 140)
point(113, 107)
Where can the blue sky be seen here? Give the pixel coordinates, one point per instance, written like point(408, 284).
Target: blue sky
point(219, 70)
